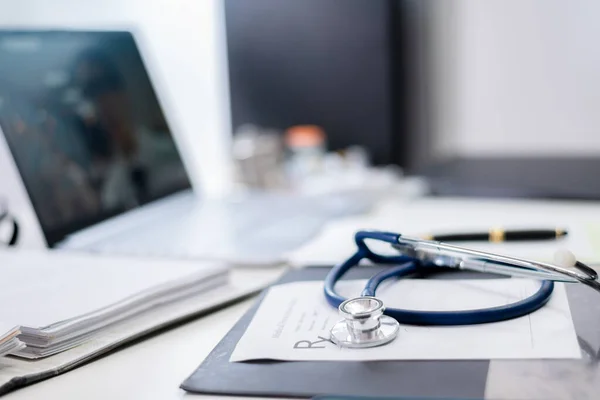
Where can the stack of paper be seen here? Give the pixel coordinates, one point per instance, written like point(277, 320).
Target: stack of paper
point(9, 344)
point(54, 301)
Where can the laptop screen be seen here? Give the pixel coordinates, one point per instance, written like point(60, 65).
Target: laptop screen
point(84, 126)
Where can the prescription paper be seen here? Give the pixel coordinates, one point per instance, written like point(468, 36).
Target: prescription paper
point(293, 322)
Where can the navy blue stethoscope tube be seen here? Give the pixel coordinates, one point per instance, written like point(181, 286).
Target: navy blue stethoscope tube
point(404, 266)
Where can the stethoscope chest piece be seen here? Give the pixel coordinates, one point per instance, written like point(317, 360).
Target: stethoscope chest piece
point(364, 324)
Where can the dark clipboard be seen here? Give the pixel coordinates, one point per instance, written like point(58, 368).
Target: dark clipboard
point(405, 379)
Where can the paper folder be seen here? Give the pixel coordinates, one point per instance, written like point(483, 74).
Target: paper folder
point(448, 379)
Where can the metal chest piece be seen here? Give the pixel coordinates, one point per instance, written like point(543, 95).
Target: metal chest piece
point(364, 324)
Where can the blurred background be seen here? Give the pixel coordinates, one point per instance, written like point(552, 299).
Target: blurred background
point(483, 98)
point(480, 98)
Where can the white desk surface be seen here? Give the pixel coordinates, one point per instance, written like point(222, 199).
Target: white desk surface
point(155, 367)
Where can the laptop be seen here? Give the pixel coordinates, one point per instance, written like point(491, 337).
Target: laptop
point(102, 166)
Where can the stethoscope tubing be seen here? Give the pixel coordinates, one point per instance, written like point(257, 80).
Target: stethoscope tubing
point(405, 266)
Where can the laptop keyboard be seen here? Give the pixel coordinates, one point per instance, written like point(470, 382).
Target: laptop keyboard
point(258, 231)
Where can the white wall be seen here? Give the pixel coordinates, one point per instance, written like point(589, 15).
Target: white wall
point(183, 45)
point(517, 77)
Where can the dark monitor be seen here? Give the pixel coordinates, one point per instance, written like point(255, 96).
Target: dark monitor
point(572, 178)
point(352, 67)
point(84, 126)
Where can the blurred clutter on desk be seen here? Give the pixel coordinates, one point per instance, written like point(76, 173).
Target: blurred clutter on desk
point(297, 161)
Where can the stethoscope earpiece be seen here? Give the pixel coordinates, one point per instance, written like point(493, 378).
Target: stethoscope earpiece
point(566, 259)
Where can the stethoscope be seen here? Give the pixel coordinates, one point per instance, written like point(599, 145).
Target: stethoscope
point(368, 323)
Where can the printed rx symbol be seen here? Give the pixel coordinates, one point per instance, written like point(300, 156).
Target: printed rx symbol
point(307, 344)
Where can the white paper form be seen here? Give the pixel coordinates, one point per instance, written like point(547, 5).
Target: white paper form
point(294, 320)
